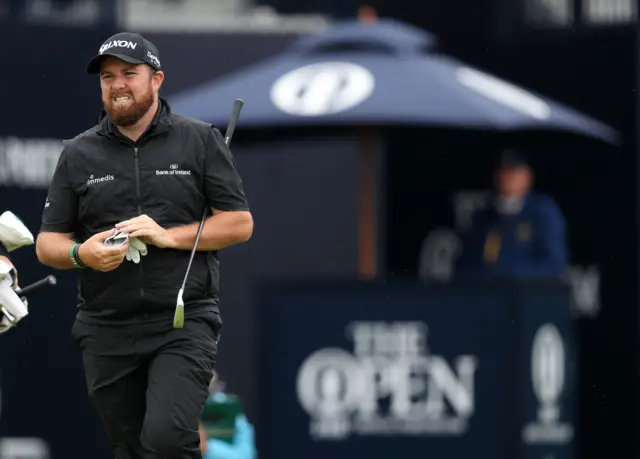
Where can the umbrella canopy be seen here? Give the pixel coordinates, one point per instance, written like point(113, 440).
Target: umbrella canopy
point(383, 73)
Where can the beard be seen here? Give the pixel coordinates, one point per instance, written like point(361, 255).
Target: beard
point(130, 114)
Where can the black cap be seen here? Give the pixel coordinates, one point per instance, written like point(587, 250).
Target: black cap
point(510, 159)
point(129, 47)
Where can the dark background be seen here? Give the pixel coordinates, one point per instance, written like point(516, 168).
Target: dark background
point(45, 93)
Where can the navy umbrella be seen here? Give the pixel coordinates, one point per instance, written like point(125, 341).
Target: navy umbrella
point(382, 73)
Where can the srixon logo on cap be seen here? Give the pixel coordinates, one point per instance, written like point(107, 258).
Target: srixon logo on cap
point(118, 44)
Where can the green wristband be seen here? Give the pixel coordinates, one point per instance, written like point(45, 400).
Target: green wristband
point(73, 254)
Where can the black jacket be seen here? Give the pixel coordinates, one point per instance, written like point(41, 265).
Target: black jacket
point(179, 166)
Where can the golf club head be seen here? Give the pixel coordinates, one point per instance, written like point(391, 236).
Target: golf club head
point(11, 306)
point(178, 317)
point(13, 233)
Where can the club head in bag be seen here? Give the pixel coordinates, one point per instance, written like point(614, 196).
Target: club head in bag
point(11, 306)
point(13, 233)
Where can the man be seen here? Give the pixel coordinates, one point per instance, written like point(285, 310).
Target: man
point(225, 431)
point(523, 235)
point(150, 173)
point(242, 446)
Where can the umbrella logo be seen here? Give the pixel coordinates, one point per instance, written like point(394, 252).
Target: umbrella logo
point(322, 89)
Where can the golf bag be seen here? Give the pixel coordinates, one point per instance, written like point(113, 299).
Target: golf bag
point(13, 235)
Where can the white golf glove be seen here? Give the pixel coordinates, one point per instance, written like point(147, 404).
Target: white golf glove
point(136, 249)
point(13, 233)
point(12, 308)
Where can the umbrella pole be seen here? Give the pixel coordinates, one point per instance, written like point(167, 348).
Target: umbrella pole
point(367, 222)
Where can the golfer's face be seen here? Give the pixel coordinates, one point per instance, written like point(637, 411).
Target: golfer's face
point(124, 84)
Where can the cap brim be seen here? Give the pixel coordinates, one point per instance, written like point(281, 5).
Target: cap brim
point(512, 165)
point(94, 64)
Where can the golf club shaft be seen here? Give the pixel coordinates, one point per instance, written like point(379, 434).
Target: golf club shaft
point(231, 127)
point(47, 281)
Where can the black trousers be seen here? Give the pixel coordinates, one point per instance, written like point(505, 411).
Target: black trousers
point(149, 383)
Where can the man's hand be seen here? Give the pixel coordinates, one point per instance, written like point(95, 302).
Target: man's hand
point(96, 256)
point(147, 230)
point(7, 261)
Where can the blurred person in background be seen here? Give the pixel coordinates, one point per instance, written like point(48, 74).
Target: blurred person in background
point(225, 431)
point(242, 445)
point(522, 235)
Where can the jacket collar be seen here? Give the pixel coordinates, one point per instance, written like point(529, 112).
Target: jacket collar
point(161, 121)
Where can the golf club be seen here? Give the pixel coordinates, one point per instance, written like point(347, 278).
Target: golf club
point(12, 306)
point(47, 281)
point(178, 317)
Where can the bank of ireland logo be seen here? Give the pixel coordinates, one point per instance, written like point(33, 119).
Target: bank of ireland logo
point(174, 169)
point(390, 384)
point(548, 379)
point(322, 89)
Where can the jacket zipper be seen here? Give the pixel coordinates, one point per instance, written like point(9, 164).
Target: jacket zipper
point(136, 160)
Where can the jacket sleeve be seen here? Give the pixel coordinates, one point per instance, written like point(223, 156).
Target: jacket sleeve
point(222, 183)
point(552, 254)
point(61, 205)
